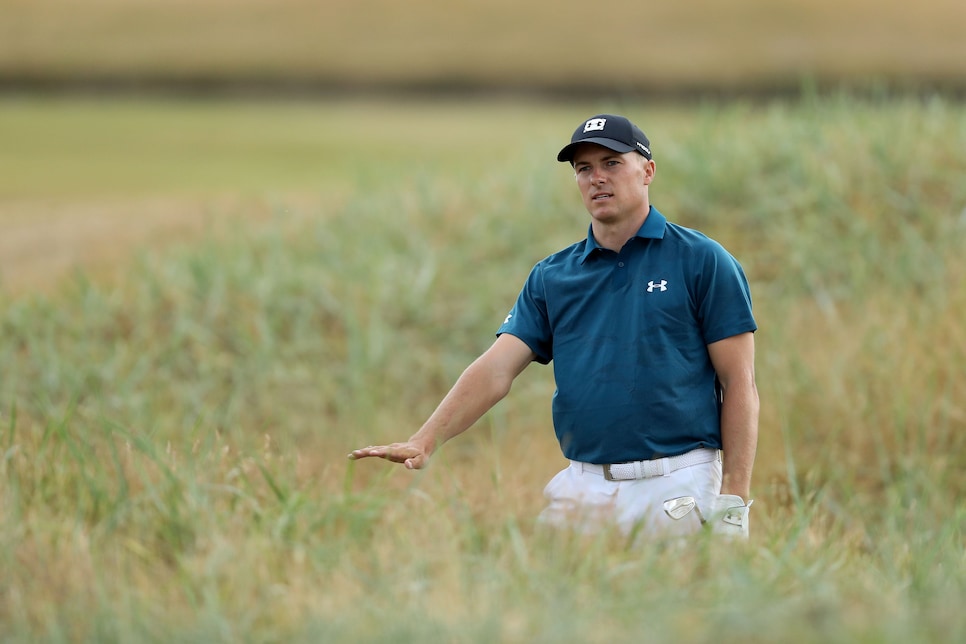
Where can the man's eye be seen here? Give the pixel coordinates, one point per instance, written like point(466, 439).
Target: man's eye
point(613, 162)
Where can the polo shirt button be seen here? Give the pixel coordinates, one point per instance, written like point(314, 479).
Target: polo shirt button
point(621, 264)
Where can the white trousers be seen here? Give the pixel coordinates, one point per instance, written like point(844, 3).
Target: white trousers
point(584, 500)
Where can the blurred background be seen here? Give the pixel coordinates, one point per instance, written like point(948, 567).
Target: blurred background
point(99, 100)
point(286, 47)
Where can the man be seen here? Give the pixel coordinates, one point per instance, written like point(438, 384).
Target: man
point(650, 330)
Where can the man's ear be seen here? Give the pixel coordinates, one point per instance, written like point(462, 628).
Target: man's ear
point(649, 169)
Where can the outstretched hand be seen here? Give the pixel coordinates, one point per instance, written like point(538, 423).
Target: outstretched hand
point(409, 454)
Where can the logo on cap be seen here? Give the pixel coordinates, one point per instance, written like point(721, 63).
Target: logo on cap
point(594, 124)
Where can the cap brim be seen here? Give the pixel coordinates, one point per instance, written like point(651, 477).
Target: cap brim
point(567, 154)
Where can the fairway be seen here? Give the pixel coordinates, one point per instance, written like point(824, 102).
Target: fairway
point(84, 180)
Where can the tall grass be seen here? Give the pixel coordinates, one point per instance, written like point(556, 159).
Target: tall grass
point(174, 443)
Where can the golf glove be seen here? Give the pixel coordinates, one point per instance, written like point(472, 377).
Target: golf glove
point(729, 516)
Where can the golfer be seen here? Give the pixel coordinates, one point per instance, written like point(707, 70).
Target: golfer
point(650, 330)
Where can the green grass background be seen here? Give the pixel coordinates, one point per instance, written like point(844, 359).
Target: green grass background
point(174, 438)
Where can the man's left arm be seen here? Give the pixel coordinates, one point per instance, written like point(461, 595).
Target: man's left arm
point(733, 359)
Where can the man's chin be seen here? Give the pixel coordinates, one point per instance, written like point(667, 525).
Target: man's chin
point(604, 215)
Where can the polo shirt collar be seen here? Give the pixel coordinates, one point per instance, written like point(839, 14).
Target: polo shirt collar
point(652, 228)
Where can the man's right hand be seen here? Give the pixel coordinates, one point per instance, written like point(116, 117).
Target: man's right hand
point(486, 381)
point(410, 454)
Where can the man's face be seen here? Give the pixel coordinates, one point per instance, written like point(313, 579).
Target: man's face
point(612, 185)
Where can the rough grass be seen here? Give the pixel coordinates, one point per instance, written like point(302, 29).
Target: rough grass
point(174, 442)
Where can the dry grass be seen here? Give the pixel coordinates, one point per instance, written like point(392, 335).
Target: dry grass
point(173, 442)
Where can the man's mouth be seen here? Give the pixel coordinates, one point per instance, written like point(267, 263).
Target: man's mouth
point(601, 196)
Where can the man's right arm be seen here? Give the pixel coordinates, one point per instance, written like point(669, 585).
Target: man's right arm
point(483, 384)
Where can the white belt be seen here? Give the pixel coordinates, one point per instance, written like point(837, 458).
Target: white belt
point(647, 469)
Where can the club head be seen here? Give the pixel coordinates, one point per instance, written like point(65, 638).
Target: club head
point(679, 507)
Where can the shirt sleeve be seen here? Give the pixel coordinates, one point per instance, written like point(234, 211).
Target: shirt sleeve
point(528, 319)
point(723, 296)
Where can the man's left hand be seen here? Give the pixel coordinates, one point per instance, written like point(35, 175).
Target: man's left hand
point(729, 516)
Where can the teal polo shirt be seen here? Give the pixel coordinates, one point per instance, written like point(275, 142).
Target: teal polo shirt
point(627, 333)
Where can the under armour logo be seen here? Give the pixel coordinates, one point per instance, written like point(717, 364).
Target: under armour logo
point(661, 286)
point(509, 315)
point(594, 124)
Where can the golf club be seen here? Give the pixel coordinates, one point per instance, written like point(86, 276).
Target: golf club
point(679, 507)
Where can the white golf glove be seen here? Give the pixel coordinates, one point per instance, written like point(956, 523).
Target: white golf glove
point(729, 516)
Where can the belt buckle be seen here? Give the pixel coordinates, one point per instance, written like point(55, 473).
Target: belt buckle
point(607, 474)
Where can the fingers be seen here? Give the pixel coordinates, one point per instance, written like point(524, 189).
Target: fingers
point(415, 463)
point(411, 457)
point(364, 452)
point(377, 451)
